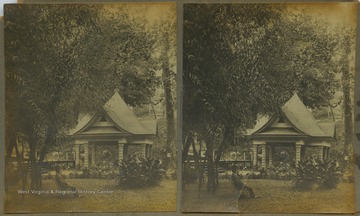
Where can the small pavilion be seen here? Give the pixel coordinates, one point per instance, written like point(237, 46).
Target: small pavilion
point(293, 132)
point(111, 134)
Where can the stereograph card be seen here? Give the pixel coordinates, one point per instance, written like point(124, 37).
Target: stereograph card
point(260, 113)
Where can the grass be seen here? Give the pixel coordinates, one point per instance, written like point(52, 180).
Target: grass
point(161, 198)
point(276, 196)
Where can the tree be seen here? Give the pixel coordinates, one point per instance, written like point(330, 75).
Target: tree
point(39, 70)
point(347, 44)
point(165, 32)
point(121, 50)
point(245, 60)
point(357, 119)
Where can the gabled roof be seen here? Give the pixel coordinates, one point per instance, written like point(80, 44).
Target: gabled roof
point(277, 125)
point(121, 114)
point(328, 128)
point(297, 120)
point(260, 123)
point(83, 120)
point(301, 117)
point(120, 119)
point(150, 125)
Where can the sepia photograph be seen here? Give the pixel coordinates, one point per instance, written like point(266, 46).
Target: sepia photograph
point(268, 108)
point(90, 108)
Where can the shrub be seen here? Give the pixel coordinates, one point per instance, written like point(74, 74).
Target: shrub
point(47, 176)
point(103, 171)
point(71, 175)
point(190, 174)
point(171, 174)
point(255, 175)
point(271, 172)
point(314, 173)
point(137, 172)
point(283, 171)
point(85, 173)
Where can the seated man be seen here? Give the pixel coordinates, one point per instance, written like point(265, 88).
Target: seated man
point(239, 185)
point(62, 184)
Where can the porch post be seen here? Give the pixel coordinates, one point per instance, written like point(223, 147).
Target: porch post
point(150, 150)
point(86, 155)
point(121, 151)
point(263, 155)
point(270, 155)
point(255, 153)
point(143, 150)
point(146, 150)
point(325, 153)
point(298, 153)
point(321, 152)
point(93, 154)
point(77, 155)
point(148, 154)
point(298, 146)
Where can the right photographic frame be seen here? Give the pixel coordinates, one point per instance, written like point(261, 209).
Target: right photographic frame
point(268, 107)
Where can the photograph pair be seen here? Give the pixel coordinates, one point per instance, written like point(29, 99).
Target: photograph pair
point(100, 116)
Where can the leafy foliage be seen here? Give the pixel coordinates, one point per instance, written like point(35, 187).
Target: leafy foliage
point(313, 173)
point(138, 172)
point(103, 171)
point(283, 171)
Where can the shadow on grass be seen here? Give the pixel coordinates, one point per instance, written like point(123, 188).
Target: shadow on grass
point(276, 196)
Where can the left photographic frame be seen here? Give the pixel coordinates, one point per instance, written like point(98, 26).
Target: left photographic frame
point(90, 107)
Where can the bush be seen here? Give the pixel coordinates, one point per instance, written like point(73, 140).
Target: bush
point(71, 175)
point(47, 176)
point(283, 171)
point(314, 173)
point(190, 175)
point(137, 172)
point(103, 171)
point(171, 174)
point(85, 173)
point(255, 175)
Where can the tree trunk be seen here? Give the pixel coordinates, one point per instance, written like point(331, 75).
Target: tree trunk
point(11, 144)
point(201, 169)
point(188, 140)
point(348, 121)
point(227, 139)
point(211, 186)
point(346, 87)
point(197, 166)
point(169, 102)
point(187, 143)
point(35, 163)
point(35, 181)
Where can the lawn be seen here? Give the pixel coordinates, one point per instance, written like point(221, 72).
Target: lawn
point(98, 195)
point(276, 196)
